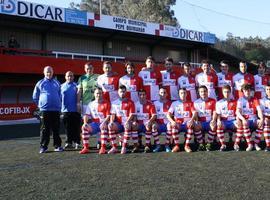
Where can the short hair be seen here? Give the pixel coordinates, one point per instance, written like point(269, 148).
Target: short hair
point(97, 88)
point(202, 87)
point(246, 86)
point(205, 62)
point(150, 58)
point(88, 64)
point(268, 84)
point(187, 64)
point(107, 63)
point(141, 90)
point(182, 88)
point(262, 64)
point(122, 87)
point(168, 59)
point(129, 63)
point(224, 62)
point(227, 87)
point(242, 61)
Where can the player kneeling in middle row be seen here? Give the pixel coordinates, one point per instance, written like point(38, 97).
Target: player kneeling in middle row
point(121, 120)
point(183, 120)
point(226, 117)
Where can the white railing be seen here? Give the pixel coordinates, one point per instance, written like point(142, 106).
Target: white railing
point(87, 56)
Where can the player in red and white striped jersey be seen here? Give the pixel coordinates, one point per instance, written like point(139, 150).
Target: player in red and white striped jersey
point(108, 82)
point(132, 82)
point(122, 115)
point(182, 116)
point(162, 106)
point(208, 79)
point(240, 78)
point(261, 80)
point(169, 79)
point(265, 106)
point(224, 78)
point(146, 115)
point(205, 108)
point(188, 81)
point(247, 110)
point(151, 79)
point(98, 112)
point(226, 115)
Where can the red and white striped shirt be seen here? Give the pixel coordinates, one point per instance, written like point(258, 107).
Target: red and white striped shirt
point(248, 107)
point(133, 85)
point(169, 82)
point(226, 109)
point(162, 110)
point(98, 111)
point(189, 83)
point(122, 110)
point(151, 81)
point(239, 79)
point(265, 106)
point(210, 81)
point(144, 111)
point(205, 109)
point(109, 86)
point(224, 79)
point(182, 111)
point(260, 83)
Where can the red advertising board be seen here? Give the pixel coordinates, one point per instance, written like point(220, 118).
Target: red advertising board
point(16, 111)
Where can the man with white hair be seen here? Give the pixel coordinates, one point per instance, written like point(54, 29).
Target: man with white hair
point(47, 96)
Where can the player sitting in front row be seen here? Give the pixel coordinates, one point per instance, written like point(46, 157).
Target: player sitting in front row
point(122, 114)
point(183, 120)
point(162, 106)
point(247, 107)
point(226, 117)
point(98, 112)
point(265, 106)
point(205, 108)
point(146, 116)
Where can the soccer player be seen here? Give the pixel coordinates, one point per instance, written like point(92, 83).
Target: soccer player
point(169, 79)
point(188, 81)
point(224, 78)
point(71, 117)
point(86, 85)
point(96, 120)
point(182, 117)
point(151, 79)
point(108, 82)
point(122, 116)
point(47, 96)
point(265, 106)
point(247, 107)
point(261, 80)
point(242, 77)
point(226, 115)
point(132, 82)
point(205, 108)
point(208, 79)
point(162, 106)
point(146, 116)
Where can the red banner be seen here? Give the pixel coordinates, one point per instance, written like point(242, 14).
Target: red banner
point(17, 111)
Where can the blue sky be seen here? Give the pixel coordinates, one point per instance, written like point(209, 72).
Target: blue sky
point(242, 18)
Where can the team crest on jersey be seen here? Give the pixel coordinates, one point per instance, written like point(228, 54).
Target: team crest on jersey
point(220, 78)
point(223, 108)
point(244, 106)
point(158, 109)
point(165, 76)
point(138, 110)
point(145, 76)
point(184, 82)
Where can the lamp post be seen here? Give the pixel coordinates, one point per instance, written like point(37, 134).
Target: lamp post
point(100, 7)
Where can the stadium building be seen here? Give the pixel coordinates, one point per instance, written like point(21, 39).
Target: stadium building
point(65, 39)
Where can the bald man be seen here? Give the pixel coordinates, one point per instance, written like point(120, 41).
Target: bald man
point(71, 117)
point(47, 96)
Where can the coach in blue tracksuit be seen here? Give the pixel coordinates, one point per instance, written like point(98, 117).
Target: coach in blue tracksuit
point(71, 118)
point(47, 96)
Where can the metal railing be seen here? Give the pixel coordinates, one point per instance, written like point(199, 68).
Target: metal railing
point(87, 56)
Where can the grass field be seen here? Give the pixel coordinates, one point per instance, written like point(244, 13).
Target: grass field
point(26, 174)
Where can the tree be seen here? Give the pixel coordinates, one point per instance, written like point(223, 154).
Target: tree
point(157, 11)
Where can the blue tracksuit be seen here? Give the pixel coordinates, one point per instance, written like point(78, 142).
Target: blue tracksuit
point(69, 97)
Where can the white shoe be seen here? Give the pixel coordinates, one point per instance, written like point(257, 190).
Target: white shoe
point(257, 147)
point(236, 147)
point(222, 148)
point(113, 150)
point(123, 150)
point(249, 148)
